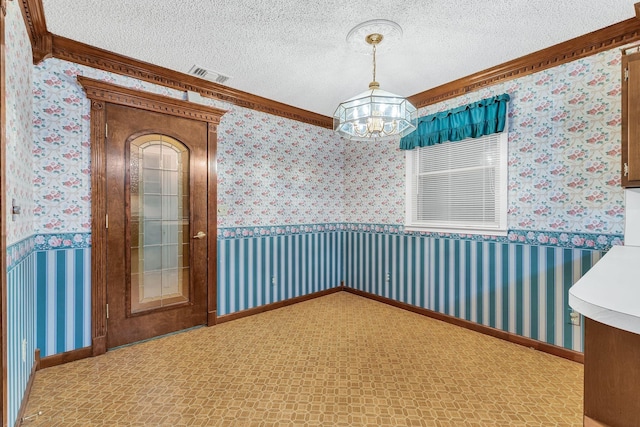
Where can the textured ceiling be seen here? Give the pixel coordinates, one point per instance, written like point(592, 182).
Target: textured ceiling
point(295, 51)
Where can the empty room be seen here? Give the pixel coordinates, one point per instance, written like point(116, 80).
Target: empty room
point(279, 213)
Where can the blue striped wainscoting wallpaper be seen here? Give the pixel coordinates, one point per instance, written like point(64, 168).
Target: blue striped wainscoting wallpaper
point(20, 328)
point(258, 270)
point(519, 288)
point(516, 284)
point(63, 287)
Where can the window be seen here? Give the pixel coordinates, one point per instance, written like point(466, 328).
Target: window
point(458, 187)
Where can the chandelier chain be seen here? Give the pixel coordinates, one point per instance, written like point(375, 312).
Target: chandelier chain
point(374, 62)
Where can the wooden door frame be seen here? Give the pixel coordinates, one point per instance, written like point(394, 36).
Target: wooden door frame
point(101, 93)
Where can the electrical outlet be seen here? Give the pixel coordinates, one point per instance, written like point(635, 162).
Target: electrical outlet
point(273, 280)
point(388, 278)
point(24, 350)
point(574, 318)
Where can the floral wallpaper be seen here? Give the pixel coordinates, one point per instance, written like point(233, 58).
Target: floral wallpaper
point(374, 182)
point(62, 140)
point(564, 153)
point(271, 170)
point(18, 125)
point(274, 171)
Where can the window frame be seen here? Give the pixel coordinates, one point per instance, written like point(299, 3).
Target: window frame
point(501, 228)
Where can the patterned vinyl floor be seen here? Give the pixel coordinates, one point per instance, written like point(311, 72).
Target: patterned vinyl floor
point(338, 360)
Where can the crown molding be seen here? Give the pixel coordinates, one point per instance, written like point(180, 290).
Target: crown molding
point(33, 14)
point(100, 92)
point(607, 38)
point(47, 45)
point(84, 54)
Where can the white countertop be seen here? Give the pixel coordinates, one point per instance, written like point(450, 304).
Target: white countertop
point(609, 292)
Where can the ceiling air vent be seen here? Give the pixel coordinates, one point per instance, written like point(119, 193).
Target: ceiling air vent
point(212, 76)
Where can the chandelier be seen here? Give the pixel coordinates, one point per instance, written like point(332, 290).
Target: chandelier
point(374, 114)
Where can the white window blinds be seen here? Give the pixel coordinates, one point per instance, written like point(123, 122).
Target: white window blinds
point(459, 186)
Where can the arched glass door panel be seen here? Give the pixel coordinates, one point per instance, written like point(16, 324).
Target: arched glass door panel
point(159, 222)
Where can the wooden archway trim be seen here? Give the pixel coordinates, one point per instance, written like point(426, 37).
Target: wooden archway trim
point(101, 93)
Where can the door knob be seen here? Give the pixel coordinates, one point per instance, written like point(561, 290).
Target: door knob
point(200, 235)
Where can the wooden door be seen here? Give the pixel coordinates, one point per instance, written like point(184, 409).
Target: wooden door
point(156, 204)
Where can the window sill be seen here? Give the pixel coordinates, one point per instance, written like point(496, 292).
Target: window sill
point(453, 230)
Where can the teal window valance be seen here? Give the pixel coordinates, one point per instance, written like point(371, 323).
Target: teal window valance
point(474, 120)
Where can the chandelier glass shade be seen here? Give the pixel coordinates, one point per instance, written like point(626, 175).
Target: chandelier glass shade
point(374, 114)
